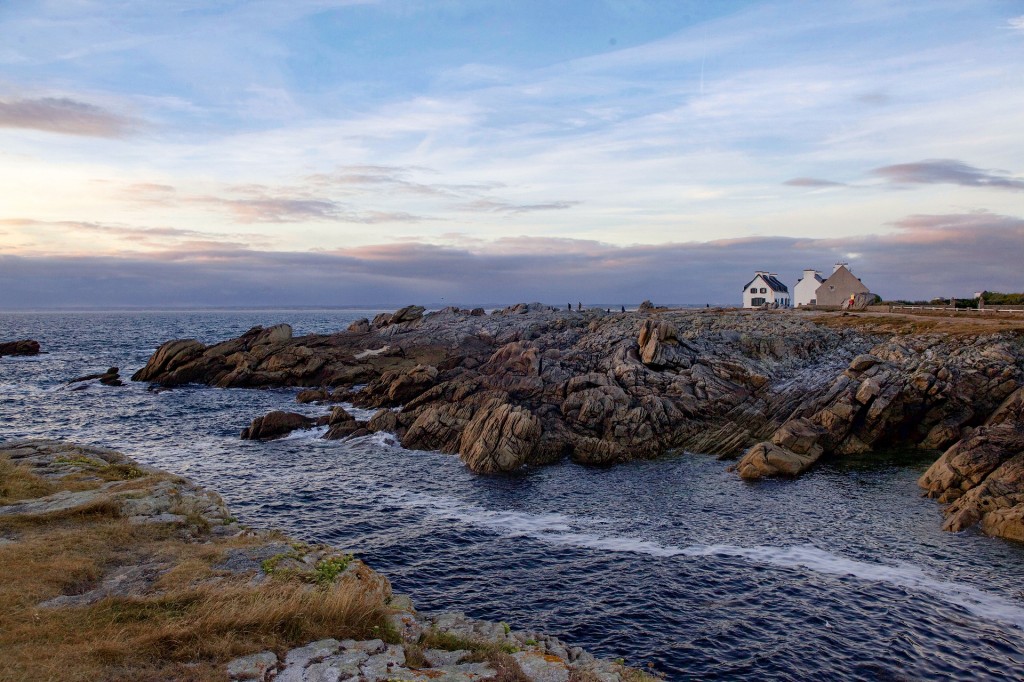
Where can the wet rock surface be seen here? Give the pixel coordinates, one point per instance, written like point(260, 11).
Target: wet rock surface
point(276, 424)
point(416, 646)
point(23, 347)
point(530, 384)
point(111, 377)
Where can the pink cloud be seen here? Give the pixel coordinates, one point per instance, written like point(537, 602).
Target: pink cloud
point(66, 116)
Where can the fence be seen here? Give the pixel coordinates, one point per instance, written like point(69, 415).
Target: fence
point(966, 311)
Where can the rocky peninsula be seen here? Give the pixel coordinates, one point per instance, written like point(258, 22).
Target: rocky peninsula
point(780, 390)
point(114, 570)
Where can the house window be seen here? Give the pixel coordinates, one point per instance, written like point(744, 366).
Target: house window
point(756, 301)
point(763, 290)
point(753, 290)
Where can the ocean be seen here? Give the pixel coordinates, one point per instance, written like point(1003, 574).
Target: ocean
point(841, 574)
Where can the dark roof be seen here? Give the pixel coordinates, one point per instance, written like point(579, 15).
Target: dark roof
point(774, 283)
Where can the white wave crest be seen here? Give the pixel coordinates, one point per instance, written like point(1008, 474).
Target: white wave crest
point(358, 412)
point(306, 434)
point(567, 531)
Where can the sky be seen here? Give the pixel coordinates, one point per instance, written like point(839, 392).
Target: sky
point(387, 152)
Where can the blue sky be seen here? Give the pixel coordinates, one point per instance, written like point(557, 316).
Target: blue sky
point(390, 151)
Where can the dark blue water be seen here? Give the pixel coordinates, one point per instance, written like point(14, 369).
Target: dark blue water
point(842, 574)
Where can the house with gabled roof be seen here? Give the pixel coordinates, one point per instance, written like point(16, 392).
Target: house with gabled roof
point(765, 290)
point(840, 287)
point(805, 291)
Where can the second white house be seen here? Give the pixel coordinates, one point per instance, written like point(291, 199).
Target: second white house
point(804, 291)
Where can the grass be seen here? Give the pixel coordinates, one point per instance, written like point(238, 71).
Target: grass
point(497, 655)
point(194, 620)
point(897, 323)
point(194, 617)
point(330, 568)
point(19, 483)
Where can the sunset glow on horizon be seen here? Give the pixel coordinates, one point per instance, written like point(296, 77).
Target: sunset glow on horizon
point(391, 151)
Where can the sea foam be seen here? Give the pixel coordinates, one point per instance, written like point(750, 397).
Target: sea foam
point(568, 531)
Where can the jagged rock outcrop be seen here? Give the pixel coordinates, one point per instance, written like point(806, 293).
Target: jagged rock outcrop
point(23, 347)
point(923, 392)
point(605, 387)
point(983, 475)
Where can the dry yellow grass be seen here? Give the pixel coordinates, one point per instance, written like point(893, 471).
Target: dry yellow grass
point(19, 483)
point(195, 620)
point(898, 323)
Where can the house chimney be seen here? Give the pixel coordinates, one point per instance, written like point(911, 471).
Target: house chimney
point(839, 265)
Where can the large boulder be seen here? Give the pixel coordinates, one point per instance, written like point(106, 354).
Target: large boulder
point(660, 345)
point(410, 313)
point(275, 425)
point(792, 450)
point(24, 347)
point(396, 387)
point(500, 437)
point(438, 427)
point(800, 436)
point(341, 423)
point(360, 326)
point(768, 460)
point(383, 420)
point(169, 357)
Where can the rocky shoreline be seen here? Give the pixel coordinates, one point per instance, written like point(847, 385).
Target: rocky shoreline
point(181, 548)
point(531, 385)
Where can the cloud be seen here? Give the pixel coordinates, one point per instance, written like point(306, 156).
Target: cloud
point(812, 182)
point(262, 204)
point(393, 179)
point(496, 206)
point(76, 232)
point(925, 256)
point(947, 171)
point(292, 210)
point(65, 115)
point(1016, 23)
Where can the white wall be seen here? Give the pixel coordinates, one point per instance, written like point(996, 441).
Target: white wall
point(803, 292)
point(769, 296)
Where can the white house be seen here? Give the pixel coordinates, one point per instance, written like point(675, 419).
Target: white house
point(804, 291)
point(765, 289)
